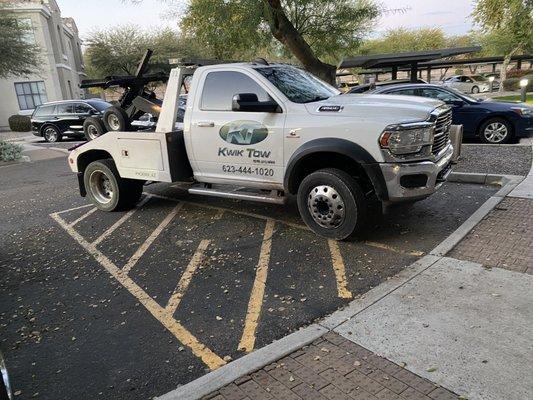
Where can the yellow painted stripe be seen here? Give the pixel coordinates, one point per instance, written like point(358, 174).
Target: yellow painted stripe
point(123, 219)
point(148, 242)
point(186, 278)
point(212, 360)
point(340, 270)
point(394, 249)
point(258, 290)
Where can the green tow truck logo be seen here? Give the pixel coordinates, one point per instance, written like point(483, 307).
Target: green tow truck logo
point(243, 133)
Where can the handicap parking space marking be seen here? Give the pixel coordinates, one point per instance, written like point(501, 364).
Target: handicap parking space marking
point(259, 306)
point(212, 360)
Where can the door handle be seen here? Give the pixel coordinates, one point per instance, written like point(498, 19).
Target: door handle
point(205, 124)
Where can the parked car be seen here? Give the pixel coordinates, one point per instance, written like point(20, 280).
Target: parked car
point(54, 120)
point(492, 121)
point(468, 84)
point(369, 86)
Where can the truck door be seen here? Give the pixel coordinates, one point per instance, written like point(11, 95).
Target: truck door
point(236, 145)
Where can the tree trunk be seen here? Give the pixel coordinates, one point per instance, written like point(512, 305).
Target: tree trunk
point(505, 64)
point(285, 32)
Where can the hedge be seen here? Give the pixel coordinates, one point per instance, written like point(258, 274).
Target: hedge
point(10, 151)
point(514, 83)
point(19, 123)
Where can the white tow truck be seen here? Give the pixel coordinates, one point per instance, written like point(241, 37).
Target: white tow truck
point(259, 131)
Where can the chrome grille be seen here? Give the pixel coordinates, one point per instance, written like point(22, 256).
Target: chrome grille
point(442, 131)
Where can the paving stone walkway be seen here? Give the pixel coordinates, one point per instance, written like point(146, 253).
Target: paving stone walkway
point(332, 368)
point(503, 239)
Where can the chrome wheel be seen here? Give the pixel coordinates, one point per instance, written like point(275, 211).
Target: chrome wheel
point(496, 132)
point(50, 135)
point(113, 122)
point(326, 206)
point(92, 132)
point(101, 187)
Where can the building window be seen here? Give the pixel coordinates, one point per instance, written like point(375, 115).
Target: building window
point(30, 94)
point(28, 36)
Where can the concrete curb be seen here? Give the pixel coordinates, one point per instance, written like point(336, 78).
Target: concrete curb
point(282, 347)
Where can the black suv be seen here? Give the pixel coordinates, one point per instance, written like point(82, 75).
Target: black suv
point(65, 118)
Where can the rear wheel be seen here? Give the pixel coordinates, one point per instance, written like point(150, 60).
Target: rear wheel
point(51, 134)
point(115, 119)
point(496, 131)
point(107, 190)
point(93, 128)
point(332, 204)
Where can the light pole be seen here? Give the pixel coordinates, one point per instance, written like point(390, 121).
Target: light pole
point(523, 89)
point(491, 82)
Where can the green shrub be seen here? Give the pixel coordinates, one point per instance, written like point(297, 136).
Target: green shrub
point(514, 83)
point(19, 123)
point(10, 151)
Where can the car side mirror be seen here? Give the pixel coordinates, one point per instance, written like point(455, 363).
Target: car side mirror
point(248, 102)
point(456, 103)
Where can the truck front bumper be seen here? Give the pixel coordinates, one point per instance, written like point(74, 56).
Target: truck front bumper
point(415, 181)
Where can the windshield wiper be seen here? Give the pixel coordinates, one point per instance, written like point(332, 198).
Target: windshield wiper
point(316, 98)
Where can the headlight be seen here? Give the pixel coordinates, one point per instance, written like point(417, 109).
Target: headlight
point(407, 138)
point(523, 111)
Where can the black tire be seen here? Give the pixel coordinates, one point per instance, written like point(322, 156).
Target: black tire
point(115, 120)
point(51, 134)
point(345, 196)
point(93, 128)
point(107, 190)
point(475, 90)
point(496, 131)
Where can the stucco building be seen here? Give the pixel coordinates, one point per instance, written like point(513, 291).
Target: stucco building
point(62, 67)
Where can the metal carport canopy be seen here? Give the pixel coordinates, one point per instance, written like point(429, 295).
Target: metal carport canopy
point(396, 60)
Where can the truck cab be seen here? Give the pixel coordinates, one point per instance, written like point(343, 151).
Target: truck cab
point(259, 131)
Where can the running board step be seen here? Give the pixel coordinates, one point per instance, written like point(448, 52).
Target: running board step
point(240, 193)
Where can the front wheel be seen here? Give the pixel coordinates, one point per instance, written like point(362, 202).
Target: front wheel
point(51, 134)
point(475, 90)
point(332, 204)
point(495, 131)
point(107, 190)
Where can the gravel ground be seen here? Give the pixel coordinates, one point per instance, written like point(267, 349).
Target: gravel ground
point(505, 160)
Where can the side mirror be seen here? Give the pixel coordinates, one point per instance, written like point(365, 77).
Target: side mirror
point(248, 102)
point(456, 103)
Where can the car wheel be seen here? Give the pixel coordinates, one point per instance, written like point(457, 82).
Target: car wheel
point(51, 134)
point(475, 90)
point(107, 190)
point(332, 204)
point(93, 128)
point(495, 131)
point(115, 119)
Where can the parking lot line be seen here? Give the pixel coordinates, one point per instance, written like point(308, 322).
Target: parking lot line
point(148, 242)
point(74, 209)
point(394, 249)
point(340, 270)
point(258, 290)
point(186, 278)
point(123, 219)
point(212, 360)
point(84, 216)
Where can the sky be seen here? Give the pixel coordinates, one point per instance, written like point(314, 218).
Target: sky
point(450, 15)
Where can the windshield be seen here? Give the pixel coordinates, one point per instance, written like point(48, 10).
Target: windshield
point(479, 78)
point(464, 95)
point(299, 86)
point(100, 105)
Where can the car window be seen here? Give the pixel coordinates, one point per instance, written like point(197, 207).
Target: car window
point(100, 105)
point(67, 108)
point(441, 95)
point(220, 87)
point(81, 108)
point(404, 92)
point(43, 111)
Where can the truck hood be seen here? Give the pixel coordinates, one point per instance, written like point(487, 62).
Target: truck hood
point(365, 106)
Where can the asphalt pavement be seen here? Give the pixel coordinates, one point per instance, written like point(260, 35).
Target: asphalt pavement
point(130, 305)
